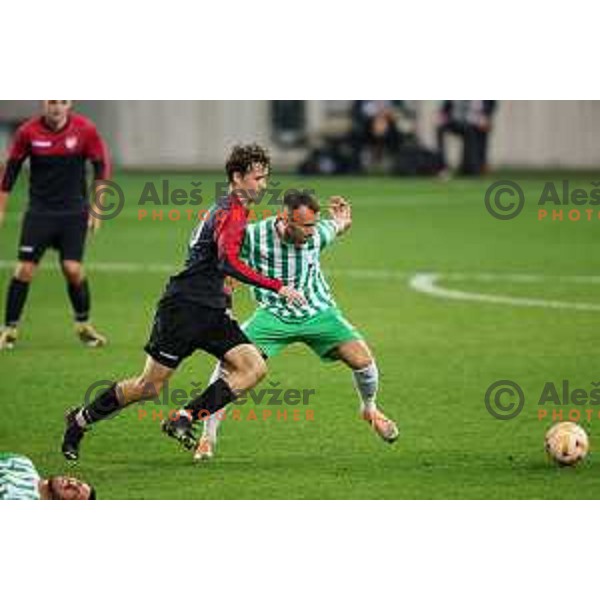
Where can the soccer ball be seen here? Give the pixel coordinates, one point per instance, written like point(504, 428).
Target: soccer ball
point(567, 443)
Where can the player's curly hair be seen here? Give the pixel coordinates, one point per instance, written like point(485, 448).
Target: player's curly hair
point(242, 158)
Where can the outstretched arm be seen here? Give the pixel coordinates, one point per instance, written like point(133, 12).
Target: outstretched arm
point(229, 236)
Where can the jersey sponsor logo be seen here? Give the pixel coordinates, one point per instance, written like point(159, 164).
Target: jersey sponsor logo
point(41, 143)
point(71, 142)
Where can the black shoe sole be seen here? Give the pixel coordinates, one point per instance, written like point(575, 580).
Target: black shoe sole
point(188, 441)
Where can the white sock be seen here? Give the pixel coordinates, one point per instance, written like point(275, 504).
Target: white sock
point(366, 382)
point(212, 423)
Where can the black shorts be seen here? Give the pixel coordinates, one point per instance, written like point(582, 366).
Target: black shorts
point(64, 233)
point(180, 328)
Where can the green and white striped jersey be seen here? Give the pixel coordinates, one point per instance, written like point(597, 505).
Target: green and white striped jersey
point(300, 268)
point(18, 478)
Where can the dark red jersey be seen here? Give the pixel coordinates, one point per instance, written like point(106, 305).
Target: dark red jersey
point(57, 162)
point(213, 253)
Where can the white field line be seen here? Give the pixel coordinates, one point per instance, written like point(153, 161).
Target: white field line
point(107, 267)
point(520, 277)
point(427, 283)
point(141, 267)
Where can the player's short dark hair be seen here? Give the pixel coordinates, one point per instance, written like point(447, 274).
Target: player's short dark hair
point(294, 199)
point(243, 157)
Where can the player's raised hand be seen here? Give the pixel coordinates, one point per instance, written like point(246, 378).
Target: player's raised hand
point(292, 296)
point(336, 202)
point(341, 212)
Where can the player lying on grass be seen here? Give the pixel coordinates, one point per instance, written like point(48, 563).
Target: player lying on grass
point(288, 248)
point(19, 480)
point(58, 144)
point(192, 314)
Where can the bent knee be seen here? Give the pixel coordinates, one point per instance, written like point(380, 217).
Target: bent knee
point(73, 272)
point(362, 362)
point(252, 374)
point(246, 370)
point(25, 271)
point(356, 354)
point(259, 369)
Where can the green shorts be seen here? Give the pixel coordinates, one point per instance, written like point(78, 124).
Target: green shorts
point(322, 333)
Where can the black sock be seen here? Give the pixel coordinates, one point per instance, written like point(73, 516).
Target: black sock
point(80, 300)
point(15, 301)
point(213, 398)
point(103, 406)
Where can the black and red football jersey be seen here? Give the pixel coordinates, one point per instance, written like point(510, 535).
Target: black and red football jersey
point(57, 162)
point(214, 253)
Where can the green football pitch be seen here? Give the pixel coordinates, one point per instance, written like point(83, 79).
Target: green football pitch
point(437, 354)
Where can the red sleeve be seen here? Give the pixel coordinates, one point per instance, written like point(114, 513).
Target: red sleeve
point(229, 234)
point(96, 151)
point(17, 153)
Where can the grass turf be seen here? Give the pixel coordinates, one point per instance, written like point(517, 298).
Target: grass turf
point(437, 357)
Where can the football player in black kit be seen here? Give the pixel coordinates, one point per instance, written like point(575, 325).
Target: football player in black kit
point(58, 144)
point(192, 314)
